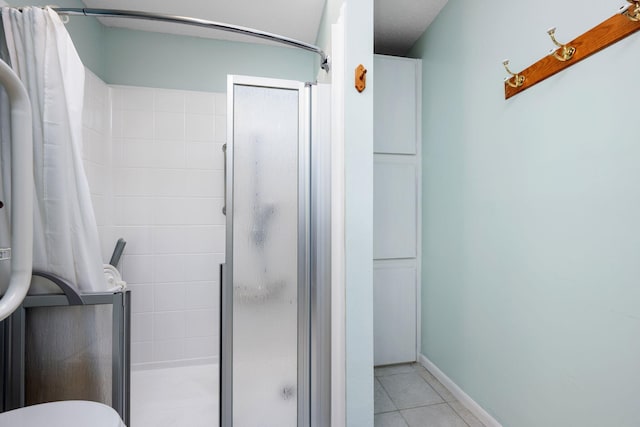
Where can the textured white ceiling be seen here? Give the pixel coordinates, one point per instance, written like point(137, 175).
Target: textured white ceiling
point(398, 23)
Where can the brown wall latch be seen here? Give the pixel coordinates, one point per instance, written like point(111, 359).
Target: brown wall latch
point(361, 78)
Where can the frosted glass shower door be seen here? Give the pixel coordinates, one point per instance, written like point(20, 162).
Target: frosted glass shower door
point(266, 276)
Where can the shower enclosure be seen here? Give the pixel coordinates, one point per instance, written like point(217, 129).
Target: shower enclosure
point(275, 346)
point(275, 312)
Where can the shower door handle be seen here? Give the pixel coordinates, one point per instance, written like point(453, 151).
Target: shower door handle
point(224, 203)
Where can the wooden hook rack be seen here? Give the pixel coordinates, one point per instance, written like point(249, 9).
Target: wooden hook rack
point(600, 37)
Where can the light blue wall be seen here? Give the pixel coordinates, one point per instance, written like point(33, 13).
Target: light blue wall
point(531, 227)
point(141, 58)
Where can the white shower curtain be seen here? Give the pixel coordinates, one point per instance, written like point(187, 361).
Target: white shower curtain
point(66, 241)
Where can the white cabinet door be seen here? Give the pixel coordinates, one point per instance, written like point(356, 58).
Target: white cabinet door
point(396, 203)
point(394, 304)
point(395, 105)
point(394, 207)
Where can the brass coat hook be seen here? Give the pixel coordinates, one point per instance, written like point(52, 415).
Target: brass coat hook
point(631, 10)
point(516, 80)
point(564, 52)
point(361, 78)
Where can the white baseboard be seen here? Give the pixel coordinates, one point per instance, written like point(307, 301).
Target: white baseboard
point(458, 393)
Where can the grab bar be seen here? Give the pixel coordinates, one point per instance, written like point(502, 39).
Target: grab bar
point(21, 192)
point(224, 204)
point(117, 252)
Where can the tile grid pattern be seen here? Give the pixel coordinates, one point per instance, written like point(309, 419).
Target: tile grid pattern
point(96, 155)
point(167, 202)
point(409, 396)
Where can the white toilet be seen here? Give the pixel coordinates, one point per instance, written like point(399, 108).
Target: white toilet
point(72, 413)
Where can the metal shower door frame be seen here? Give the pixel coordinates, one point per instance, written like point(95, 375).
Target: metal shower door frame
point(304, 252)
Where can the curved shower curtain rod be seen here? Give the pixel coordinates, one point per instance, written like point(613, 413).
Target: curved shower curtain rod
point(113, 13)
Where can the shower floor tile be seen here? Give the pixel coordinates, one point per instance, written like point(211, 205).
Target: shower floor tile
point(175, 397)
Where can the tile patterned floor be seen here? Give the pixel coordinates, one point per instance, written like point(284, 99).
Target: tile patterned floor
point(409, 396)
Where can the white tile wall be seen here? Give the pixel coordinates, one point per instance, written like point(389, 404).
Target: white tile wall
point(96, 155)
point(154, 162)
point(167, 197)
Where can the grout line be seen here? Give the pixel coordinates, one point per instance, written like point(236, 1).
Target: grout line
point(431, 387)
point(413, 407)
point(459, 416)
point(433, 404)
point(397, 373)
point(434, 389)
point(386, 412)
point(388, 395)
point(393, 375)
point(425, 406)
point(405, 420)
point(386, 392)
